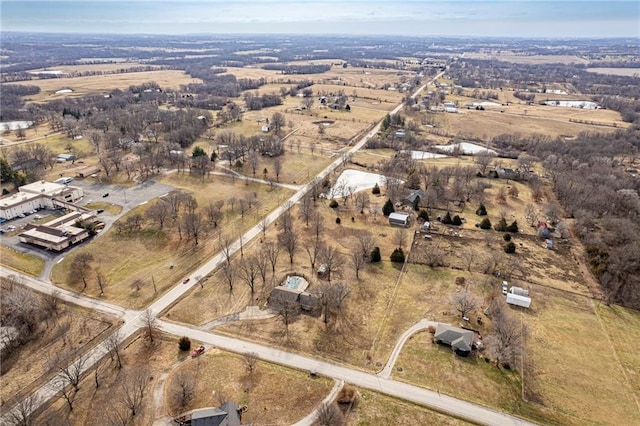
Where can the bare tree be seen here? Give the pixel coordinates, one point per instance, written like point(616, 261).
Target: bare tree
point(333, 260)
point(330, 415)
point(464, 302)
point(254, 160)
point(70, 373)
point(362, 201)
point(277, 122)
point(332, 297)
point(313, 249)
point(531, 212)
point(251, 359)
point(101, 280)
point(229, 275)
point(483, 159)
point(288, 310)
point(357, 261)
point(468, 256)
point(317, 225)
point(183, 390)
point(507, 340)
point(262, 263)
point(249, 272)
point(289, 240)
point(194, 225)
point(159, 212)
point(149, 321)
point(62, 388)
point(112, 345)
point(364, 245)
point(133, 388)
point(224, 242)
point(80, 268)
point(400, 237)
point(306, 208)
point(24, 413)
point(272, 251)
point(277, 167)
point(213, 213)
point(50, 302)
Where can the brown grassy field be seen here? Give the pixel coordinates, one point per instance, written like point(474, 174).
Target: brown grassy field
point(156, 250)
point(20, 261)
point(70, 329)
point(374, 409)
point(628, 72)
point(274, 395)
point(103, 83)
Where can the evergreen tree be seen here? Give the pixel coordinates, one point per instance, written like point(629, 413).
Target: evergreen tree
point(375, 190)
point(397, 256)
point(387, 209)
point(456, 221)
point(447, 219)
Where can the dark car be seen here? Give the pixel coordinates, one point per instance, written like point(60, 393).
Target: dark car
point(105, 195)
point(186, 280)
point(100, 211)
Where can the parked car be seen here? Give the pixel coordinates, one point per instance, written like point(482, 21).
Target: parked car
point(197, 351)
point(505, 287)
point(37, 216)
point(11, 227)
point(21, 215)
point(100, 211)
point(105, 195)
point(186, 280)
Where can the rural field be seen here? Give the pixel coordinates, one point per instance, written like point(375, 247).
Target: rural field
point(102, 83)
point(530, 59)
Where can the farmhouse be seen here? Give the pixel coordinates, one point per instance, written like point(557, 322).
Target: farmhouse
point(399, 219)
point(411, 198)
point(228, 414)
point(59, 233)
point(460, 340)
point(293, 291)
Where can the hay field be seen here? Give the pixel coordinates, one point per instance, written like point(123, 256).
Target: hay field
point(104, 83)
point(627, 72)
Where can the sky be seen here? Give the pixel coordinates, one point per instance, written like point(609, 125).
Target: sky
point(500, 18)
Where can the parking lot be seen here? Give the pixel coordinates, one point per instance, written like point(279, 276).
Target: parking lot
point(127, 197)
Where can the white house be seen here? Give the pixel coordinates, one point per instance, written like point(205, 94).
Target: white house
point(399, 219)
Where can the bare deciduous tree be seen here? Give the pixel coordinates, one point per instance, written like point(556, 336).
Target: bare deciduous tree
point(80, 268)
point(251, 359)
point(101, 280)
point(112, 345)
point(313, 249)
point(400, 238)
point(362, 201)
point(183, 390)
point(483, 159)
point(62, 388)
point(229, 275)
point(306, 208)
point(249, 272)
point(149, 321)
point(464, 302)
point(224, 242)
point(330, 415)
point(506, 342)
point(277, 167)
point(317, 225)
point(159, 212)
point(288, 310)
point(289, 240)
point(193, 225)
point(357, 261)
point(23, 414)
point(272, 251)
point(333, 260)
point(133, 389)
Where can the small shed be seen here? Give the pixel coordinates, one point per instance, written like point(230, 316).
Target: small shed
point(426, 226)
point(399, 219)
point(519, 291)
point(516, 299)
point(265, 128)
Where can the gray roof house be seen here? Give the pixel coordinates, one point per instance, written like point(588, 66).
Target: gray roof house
point(228, 414)
point(460, 340)
point(410, 199)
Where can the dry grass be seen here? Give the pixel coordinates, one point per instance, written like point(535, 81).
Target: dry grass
point(274, 395)
point(627, 72)
point(20, 261)
point(103, 83)
point(574, 369)
point(376, 409)
point(154, 251)
point(98, 405)
point(71, 329)
point(113, 209)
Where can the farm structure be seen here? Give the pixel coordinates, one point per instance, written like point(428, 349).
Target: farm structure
point(516, 299)
point(399, 219)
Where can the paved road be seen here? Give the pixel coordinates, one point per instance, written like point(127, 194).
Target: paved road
point(311, 418)
point(421, 325)
point(133, 322)
point(434, 400)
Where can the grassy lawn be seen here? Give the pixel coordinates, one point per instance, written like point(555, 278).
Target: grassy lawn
point(373, 409)
point(113, 209)
point(23, 262)
point(272, 394)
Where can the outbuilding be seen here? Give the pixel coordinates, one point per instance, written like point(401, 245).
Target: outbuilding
point(399, 219)
point(516, 299)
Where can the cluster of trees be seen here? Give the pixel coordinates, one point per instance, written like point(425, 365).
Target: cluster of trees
point(298, 69)
point(11, 102)
point(256, 101)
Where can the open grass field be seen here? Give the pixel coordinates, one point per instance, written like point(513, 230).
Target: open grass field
point(628, 72)
point(104, 83)
point(70, 329)
point(274, 395)
point(23, 262)
point(155, 251)
point(373, 409)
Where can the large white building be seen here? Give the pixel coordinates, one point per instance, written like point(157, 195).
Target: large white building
point(39, 195)
point(59, 233)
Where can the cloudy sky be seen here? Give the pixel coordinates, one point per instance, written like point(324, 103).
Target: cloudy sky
point(517, 18)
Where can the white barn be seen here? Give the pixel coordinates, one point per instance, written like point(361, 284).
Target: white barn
point(399, 219)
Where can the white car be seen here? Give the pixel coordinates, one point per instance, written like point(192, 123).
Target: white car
point(505, 287)
point(11, 227)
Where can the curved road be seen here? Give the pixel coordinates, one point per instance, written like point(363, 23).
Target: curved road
point(133, 322)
